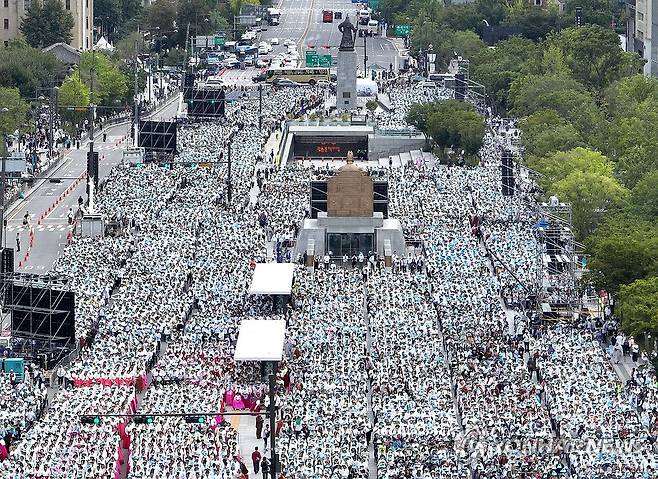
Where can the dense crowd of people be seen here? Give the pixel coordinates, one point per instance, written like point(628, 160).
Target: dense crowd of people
point(430, 369)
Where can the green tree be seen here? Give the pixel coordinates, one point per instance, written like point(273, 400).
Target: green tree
point(594, 55)
point(592, 195)
point(644, 196)
point(536, 23)
point(466, 43)
point(493, 11)
point(27, 68)
point(638, 306)
point(110, 84)
point(469, 126)
point(560, 164)
point(74, 92)
point(15, 115)
point(174, 57)
point(624, 248)
point(453, 123)
point(47, 23)
point(418, 115)
point(597, 12)
point(161, 16)
point(130, 46)
point(196, 14)
point(497, 68)
point(626, 96)
point(545, 132)
point(572, 101)
point(108, 15)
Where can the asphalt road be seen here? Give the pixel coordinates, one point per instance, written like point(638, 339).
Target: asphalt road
point(48, 203)
point(301, 21)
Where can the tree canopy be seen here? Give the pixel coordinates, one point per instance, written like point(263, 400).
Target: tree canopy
point(638, 306)
point(15, 115)
point(47, 23)
point(27, 68)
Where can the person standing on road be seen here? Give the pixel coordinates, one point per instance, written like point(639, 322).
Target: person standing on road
point(18, 242)
point(265, 468)
point(70, 215)
point(255, 458)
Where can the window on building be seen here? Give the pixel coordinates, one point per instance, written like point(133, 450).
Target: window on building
point(68, 4)
point(640, 35)
point(346, 94)
point(640, 16)
point(6, 3)
point(6, 24)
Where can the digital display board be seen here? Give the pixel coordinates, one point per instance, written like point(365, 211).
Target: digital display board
point(332, 147)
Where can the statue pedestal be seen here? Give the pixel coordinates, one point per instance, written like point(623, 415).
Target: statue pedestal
point(346, 80)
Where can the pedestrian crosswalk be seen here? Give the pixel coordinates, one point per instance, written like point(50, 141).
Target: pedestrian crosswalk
point(41, 227)
point(108, 146)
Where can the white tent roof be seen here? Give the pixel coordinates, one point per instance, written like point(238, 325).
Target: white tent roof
point(272, 278)
point(103, 44)
point(260, 340)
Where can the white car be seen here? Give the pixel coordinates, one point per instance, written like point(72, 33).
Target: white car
point(427, 84)
point(262, 51)
point(274, 41)
point(288, 42)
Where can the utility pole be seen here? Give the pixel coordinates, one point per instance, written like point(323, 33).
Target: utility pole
point(135, 131)
point(91, 175)
point(149, 78)
point(272, 411)
point(50, 123)
point(365, 54)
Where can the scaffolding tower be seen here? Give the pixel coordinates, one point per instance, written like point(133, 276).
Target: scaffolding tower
point(38, 312)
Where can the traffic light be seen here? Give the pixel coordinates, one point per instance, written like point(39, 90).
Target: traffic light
point(195, 419)
point(90, 419)
point(142, 419)
point(92, 167)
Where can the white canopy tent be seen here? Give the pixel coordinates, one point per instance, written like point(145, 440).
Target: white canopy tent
point(272, 278)
point(103, 44)
point(260, 340)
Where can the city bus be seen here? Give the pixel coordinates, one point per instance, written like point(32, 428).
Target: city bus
point(327, 16)
point(299, 75)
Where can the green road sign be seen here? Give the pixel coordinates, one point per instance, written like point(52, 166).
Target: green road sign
point(220, 41)
point(324, 61)
point(374, 4)
point(312, 59)
point(402, 30)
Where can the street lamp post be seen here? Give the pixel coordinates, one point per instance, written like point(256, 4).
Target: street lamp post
point(3, 179)
point(272, 412)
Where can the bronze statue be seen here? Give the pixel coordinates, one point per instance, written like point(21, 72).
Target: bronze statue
point(349, 34)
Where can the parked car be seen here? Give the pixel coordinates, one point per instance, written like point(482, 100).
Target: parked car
point(274, 41)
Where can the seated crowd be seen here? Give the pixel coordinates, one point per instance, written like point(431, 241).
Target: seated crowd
point(421, 371)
